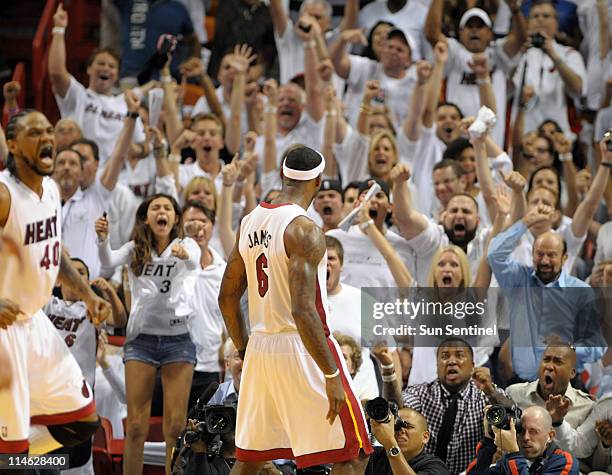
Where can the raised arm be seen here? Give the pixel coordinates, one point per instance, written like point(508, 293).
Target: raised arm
point(118, 318)
point(587, 208)
point(435, 84)
point(563, 146)
point(230, 175)
point(518, 32)
point(331, 117)
point(351, 12)
point(241, 59)
point(371, 90)
point(58, 73)
point(305, 246)
point(483, 172)
point(271, 91)
point(279, 17)
point(410, 222)
point(398, 269)
point(604, 29)
point(571, 79)
point(433, 23)
point(233, 285)
point(315, 106)
point(412, 124)
point(483, 78)
point(338, 52)
point(113, 167)
point(517, 184)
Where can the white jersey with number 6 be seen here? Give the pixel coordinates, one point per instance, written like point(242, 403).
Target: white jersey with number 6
point(34, 223)
point(262, 248)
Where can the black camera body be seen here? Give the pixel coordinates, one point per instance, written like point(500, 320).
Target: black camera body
point(499, 416)
point(211, 421)
point(381, 410)
point(537, 40)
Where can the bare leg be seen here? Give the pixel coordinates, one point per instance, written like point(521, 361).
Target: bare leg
point(352, 467)
point(139, 379)
point(176, 381)
point(247, 468)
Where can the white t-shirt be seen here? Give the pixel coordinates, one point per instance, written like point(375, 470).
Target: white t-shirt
point(79, 215)
point(306, 132)
point(344, 316)
point(99, 116)
point(549, 89)
point(588, 20)
point(191, 170)
point(363, 265)
point(410, 19)
point(290, 50)
point(202, 107)
point(208, 325)
point(461, 87)
point(397, 91)
point(429, 150)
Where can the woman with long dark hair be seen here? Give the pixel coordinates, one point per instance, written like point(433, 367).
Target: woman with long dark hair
point(159, 260)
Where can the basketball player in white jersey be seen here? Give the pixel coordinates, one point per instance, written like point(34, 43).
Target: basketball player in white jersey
point(48, 389)
point(294, 381)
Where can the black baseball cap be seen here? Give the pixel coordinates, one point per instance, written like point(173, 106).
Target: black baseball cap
point(327, 185)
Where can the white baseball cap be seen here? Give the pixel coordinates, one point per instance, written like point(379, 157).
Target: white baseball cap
point(478, 13)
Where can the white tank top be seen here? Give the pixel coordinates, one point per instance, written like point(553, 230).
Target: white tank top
point(262, 248)
point(34, 223)
point(70, 319)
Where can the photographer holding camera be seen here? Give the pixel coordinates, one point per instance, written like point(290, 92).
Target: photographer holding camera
point(527, 447)
point(552, 70)
point(403, 437)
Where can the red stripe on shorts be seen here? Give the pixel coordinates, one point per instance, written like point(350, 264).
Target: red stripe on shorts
point(243, 455)
point(64, 417)
point(321, 309)
point(14, 446)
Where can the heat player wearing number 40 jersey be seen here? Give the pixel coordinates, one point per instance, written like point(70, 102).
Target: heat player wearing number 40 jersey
point(48, 389)
point(296, 400)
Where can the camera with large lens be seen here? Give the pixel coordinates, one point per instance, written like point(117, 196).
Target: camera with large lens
point(381, 410)
point(537, 40)
point(213, 424)
point(499, 416)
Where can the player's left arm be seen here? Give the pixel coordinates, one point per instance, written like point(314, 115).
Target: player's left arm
point(97, 308)
point(233, 285)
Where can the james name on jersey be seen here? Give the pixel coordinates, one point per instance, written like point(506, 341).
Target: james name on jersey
point(261, 237)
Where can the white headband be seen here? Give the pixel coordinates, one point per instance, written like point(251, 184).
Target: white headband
point(304, 175)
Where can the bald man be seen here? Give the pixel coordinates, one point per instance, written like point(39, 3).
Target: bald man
point(548, 304)
point(66, 131)
point(568, 407)
point(532, 451)
point(403, 451)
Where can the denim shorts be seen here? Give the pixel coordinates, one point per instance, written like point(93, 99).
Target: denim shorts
point(159, 350)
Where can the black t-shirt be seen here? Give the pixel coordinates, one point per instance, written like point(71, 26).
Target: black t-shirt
point(423, 464)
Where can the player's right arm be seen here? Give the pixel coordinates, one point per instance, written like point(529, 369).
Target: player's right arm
point(305, 245)
point(233, 285)
point(8, 309)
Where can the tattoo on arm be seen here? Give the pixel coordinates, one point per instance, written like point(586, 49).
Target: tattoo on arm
point(233, 285)
point(306, 246)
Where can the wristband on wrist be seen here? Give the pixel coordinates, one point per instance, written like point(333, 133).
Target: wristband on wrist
point(175, 158)
point(270, 109)
point(58, 30)
point(310, 44)
point(566, 157)
point(166, 79)
point(389, 378)
point(132, 115)
point(606, 164)
point(331, 113)
point(333, 375)
point(482, 81)
point(387, 366)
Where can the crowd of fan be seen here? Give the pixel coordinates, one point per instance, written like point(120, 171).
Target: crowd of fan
point(387, 96)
